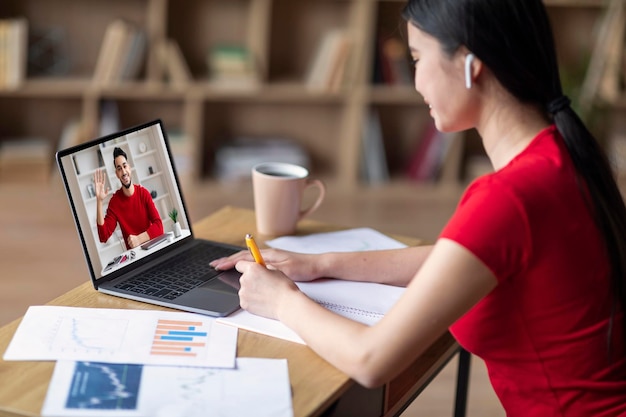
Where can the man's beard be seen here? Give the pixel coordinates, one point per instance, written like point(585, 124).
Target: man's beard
point(130, 182)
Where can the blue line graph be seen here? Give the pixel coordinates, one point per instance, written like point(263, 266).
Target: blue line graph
point(79, 335)
point(104, 386)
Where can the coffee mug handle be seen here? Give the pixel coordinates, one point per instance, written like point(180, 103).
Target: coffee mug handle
point(322, 189)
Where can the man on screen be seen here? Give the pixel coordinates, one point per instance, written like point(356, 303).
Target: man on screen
point(131, 206)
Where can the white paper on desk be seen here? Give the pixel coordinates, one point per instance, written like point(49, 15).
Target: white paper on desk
point(256, 387)
point(351, 240)
point(122, 336)
point(248, 321)
point(364, 302)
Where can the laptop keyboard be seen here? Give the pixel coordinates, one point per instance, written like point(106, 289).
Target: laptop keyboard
point(180, 274)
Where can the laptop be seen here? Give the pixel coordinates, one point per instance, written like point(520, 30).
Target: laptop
point(172, 269)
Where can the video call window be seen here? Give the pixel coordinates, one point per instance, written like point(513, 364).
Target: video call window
point(150, 167)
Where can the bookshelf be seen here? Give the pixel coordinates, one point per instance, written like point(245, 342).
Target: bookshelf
point(281, 38)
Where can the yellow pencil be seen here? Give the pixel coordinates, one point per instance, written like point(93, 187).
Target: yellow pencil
point(254, 250)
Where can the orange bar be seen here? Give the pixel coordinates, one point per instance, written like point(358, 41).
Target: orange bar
point(167, 331)
point(181, 348)
point(170, 327)
point(155, 352)
point(170, 343)
point(171, 348)
point(181, 323)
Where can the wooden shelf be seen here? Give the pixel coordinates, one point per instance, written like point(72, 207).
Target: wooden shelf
point(381, 94)
point(283, 37)
point(575, 3)
point(49, 87)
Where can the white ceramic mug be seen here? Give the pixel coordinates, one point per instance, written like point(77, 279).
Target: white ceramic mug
point(278, 194)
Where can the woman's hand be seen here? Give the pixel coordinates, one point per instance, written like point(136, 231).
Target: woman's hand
point(263, 290)
point(297, 266)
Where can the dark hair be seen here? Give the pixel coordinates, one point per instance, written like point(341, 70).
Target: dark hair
point(514, 39)
point(119, 152)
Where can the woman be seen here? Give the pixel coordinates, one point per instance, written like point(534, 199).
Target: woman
point(529, 272)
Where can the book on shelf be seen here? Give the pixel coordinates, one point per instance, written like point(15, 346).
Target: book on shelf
point(393, 64)
point(374, 168)
point(134, 56)
point(610, 84)
point(616, 147)
point(604, 57)
point(338, 69)
point(436, 155)
point(71, 134)
point(110, 48)
point(232, 66)
point(419, 164)
point(13, 52)
point(109, 118)
point(177, 68)
point(450, 167)
point(173, 63)
point(121, 55)
point(328, 69)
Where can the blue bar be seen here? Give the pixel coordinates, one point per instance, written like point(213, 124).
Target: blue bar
point(187, 349)
point(185, 339)
point(179, 333)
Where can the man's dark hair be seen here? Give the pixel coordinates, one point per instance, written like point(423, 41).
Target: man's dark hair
point(118, 152)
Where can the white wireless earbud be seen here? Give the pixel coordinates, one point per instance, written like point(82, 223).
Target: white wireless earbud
point(468, 70)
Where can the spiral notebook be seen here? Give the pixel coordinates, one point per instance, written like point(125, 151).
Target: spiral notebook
point(365, 302)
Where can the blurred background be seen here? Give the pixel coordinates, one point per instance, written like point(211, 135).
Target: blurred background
point(326, 84)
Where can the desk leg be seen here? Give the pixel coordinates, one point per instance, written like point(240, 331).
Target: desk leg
point(462, 383)
point(358, 401)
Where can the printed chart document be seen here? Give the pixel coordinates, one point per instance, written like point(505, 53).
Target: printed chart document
point(256, 387)
point(364, 302)
point(122, 336)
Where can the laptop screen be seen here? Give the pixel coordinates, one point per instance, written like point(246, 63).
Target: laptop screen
point(130, 175)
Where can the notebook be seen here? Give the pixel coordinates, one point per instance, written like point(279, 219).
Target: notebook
point(170, 270)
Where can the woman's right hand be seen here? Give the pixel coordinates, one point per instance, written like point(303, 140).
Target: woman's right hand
point(297, 266)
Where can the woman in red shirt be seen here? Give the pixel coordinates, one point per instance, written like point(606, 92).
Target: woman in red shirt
point(529, 273)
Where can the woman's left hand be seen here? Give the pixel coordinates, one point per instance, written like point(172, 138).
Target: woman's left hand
point(263, 290)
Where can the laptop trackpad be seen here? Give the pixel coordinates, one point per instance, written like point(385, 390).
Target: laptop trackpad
point(218, 295)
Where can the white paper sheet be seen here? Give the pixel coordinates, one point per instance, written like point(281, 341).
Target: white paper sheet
point(257, 387)
point(122, 336)
point(364, 302)
point(351, 240)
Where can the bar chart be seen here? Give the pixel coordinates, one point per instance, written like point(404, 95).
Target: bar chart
point(179, 338)
point(123, 336)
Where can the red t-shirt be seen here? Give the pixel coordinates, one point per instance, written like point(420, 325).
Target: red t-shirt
point(135, 214)
point(542, 331)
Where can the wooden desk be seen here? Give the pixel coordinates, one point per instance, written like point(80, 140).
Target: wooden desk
point(316, 384)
